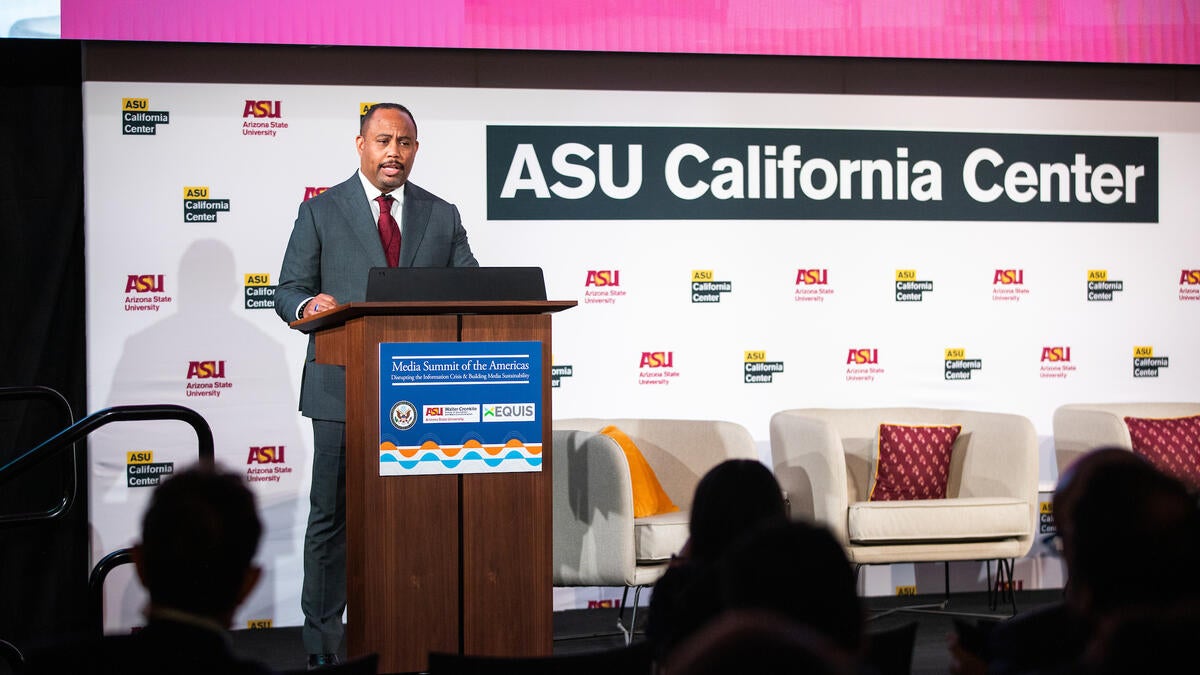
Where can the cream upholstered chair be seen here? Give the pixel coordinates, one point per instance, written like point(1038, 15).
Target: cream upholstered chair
point(823, 459)
point(1080, 427)
point(597, 541)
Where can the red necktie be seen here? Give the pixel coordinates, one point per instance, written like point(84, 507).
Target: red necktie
point(389, 231)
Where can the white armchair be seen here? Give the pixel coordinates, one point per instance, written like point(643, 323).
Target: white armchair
point(597, 541)
point(1080, 427)
point(823, 460)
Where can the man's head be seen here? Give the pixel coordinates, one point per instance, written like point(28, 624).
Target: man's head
point(1131, 535)
point(387, 145)
point(199, 537)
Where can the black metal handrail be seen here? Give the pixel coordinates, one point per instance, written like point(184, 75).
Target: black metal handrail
point(77, 431)
point(70, 487)
point(100, 572)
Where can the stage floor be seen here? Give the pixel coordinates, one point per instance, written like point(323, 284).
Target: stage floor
point(595, 629)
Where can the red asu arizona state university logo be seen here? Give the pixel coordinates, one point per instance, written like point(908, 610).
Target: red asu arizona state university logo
point(262, 118)
point(145, 293)
point(266, 464)
point(657, 368)
point(862, 365)
point(1189, 285)
point(1056, 363)
point(211, 378)
point(602, 287)
point(812, 285)
point(261, 109)
point(1008, 285)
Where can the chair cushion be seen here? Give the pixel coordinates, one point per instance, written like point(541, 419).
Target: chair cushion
point(660, 536)
point(931, 520)
point(912, 462)
point(1171, 444)
point(649, 498)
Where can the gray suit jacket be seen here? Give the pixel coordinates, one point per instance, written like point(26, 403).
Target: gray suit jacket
point(334, 243)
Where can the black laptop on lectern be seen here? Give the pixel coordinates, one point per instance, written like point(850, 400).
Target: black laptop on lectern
point(454, 284)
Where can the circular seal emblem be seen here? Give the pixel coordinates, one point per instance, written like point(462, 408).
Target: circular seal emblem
point(403, 415)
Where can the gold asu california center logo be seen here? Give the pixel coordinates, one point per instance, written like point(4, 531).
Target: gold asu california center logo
point(137, 119)
point(756, 369)
point(199, 206)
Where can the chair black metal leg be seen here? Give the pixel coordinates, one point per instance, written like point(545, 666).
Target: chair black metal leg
point(628, 632)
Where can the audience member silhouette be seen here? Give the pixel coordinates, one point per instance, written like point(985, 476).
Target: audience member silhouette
point(800, 571)
point(195, 559)
point(760, 642)
point(731, 498)
point(1131, 543)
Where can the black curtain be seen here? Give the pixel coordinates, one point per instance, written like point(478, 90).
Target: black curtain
point(43, 566)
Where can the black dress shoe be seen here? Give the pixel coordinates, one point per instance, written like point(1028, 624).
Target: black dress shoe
point(316, 661)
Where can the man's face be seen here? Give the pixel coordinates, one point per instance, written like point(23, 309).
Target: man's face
point(387, 148)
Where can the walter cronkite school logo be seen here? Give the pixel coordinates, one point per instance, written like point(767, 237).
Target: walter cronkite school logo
point(403, 415)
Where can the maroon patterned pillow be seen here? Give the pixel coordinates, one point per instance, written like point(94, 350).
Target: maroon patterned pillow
point(1172, 444)
point(912, 462)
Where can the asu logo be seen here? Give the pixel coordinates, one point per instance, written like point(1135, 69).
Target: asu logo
point(260, 109)
point(364, 107)
point(206, 369)
point(310, 192)
point(137, 119)
point(658, 360)
point(1189, 277)
point(810, 277)
point(144, 283)
point(1056, 354)
point(1145, 363)
point(434, 411)
point(859, 357)
point(603, 278)
point(195, 192)
point(1008, 277)
point(259, 624)
point(139, 457)
point(265, 454)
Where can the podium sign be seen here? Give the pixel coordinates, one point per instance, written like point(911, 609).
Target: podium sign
point(460, 407)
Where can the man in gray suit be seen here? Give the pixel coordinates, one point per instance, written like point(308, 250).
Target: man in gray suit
point(338, 236)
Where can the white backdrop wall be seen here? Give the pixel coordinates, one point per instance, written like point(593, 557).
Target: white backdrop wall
point(191, 191)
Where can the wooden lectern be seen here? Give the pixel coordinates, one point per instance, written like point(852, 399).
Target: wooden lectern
point(448, 563)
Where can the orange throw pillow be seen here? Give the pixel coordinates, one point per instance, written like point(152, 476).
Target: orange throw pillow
point(649, 498)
